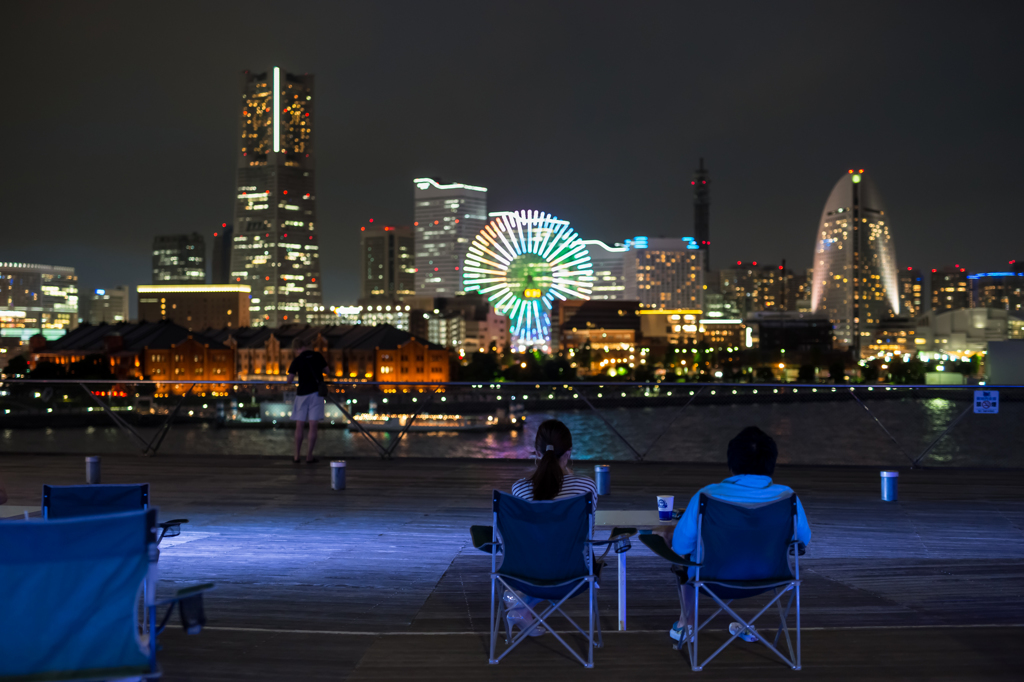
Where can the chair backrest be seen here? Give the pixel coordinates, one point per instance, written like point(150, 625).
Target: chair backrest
point(68, 501)
point(68, 595)
point(746, 542)
point(544, 541)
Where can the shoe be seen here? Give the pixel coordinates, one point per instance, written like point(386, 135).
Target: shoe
point(743, 633)
point(312, 461)
point(522, 619)
point(295, 460)
point(676, 632)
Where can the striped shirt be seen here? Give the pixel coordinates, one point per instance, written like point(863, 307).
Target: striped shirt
point(571, 485)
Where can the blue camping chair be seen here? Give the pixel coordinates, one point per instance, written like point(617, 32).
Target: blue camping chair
point(742, 551)
point(69, 501)
point(68, 590)
point(547, 554)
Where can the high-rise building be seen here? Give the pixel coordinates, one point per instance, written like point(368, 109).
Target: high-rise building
point(911, 292)
point(388, 260)
point(275, 249)
point(702, 212)
point(220, 267)
point(104, 306)
point(447, 219)
point(37, 299)
point(949, 288)
point(179, 259)
point(665, 273)
point(1003, 290)
point(855, 279)
point(609, 263)
point(755, 288)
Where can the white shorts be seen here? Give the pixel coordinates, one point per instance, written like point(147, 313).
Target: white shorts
point(308, 408)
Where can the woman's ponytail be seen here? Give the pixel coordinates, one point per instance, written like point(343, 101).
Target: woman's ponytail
point(553, 441)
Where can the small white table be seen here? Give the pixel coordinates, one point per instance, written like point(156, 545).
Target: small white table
point(641, 520)
point(13, 512)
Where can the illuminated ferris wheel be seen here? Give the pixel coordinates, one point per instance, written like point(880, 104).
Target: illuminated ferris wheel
point(522, 261)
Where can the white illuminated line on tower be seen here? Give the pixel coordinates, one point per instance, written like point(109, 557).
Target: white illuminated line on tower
point(277, 109)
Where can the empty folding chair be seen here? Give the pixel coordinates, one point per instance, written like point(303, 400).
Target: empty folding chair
point(68, 501)
point(68, 590)
point(743, 551)
point(547, 554)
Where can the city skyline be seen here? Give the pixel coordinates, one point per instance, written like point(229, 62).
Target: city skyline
point(602, 155)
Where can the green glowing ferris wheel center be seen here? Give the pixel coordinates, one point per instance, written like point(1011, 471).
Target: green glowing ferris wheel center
point(529, 276)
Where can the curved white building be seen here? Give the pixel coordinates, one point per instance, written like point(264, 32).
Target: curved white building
point(855, 278)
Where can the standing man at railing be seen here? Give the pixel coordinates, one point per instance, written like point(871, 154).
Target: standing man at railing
point(309, 397)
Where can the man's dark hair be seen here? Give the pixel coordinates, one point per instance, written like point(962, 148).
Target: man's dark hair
point(752, 451)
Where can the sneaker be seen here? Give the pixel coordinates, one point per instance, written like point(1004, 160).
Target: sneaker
point(743, 633)
point(676, 632)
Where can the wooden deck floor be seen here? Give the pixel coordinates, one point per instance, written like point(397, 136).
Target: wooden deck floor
point(380, 582)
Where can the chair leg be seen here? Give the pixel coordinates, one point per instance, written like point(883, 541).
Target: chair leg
point(494, 624)
point(597, 621)
point(694, 660)
point(590, 639)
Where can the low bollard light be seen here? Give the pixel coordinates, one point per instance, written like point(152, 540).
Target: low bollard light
point(92, 470)
point(603, 474)
point(889, 485)
point(338, 475)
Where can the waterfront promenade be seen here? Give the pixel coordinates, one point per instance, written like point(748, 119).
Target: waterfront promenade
point(380, 581)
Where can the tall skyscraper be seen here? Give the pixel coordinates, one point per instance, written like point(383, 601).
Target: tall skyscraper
point(609, 264)
point(179, 259)
point(702, 212)
point(911, 292)
point(665, 274)
point(37, 299)
point(276, 250)
point(220, 266)
point(447, 218)
point(949, 289)
point(387, 255)
point(855, 278)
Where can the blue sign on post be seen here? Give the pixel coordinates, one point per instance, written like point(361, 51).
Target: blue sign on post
point(986, 402)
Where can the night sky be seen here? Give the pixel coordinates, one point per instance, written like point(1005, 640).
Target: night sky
point(121, 120)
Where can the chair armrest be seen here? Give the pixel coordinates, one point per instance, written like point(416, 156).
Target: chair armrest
point(657, 544)
point(800, 547)
point(618, 539)
point(170, 529)
point(483, 538)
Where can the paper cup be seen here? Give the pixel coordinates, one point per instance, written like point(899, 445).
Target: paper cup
point(665, 503)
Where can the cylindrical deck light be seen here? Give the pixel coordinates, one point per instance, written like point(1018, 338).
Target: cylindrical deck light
point(603, 474)
point(338, 474)
point(92, 470)
point(890, 479)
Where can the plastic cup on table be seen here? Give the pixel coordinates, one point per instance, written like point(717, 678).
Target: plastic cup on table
point(665, 503)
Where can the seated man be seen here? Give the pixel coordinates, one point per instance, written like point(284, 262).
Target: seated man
point(752, 456)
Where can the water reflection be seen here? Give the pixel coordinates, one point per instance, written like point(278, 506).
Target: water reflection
point(836, 432)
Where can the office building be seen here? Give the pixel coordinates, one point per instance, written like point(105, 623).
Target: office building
point(104, 306)
point(37, 299)
point(964, 331)
point(179, 259)
point(911, 292)
point(702, 212)
point(664, 273)
point(670, 327)
point(276, 250)
point(447, 219)
point(1003, 290)
point(388, 267)
point(754, 287)
point(609, 264)
point(220, 263)
point(855, 279)
point(196, 306)
point(949, 288)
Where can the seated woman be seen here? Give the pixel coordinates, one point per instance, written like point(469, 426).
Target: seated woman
point(552, 480)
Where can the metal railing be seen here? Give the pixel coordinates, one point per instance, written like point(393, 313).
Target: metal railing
point(834, 424)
